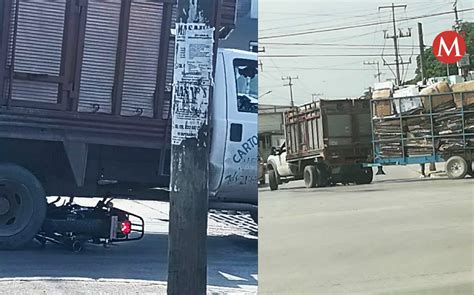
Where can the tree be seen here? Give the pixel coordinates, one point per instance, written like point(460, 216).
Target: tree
point(433, 68)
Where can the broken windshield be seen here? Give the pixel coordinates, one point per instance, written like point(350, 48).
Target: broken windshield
point(246, 78)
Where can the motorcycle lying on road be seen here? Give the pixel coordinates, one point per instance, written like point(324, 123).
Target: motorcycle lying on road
point(71, 225)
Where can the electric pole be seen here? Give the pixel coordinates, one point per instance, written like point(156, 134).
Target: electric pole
point(260, 50)
point(189, 177)
point(457, 20)
point(422, 51)
point(315, 95)
point(290, 84)
point(395, 37)
point(369, 63)
point(457, 28)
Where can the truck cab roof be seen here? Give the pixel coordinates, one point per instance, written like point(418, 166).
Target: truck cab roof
point(238, 52)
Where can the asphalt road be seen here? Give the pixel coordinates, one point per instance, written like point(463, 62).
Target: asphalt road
point(138, 267)
point(398, 235)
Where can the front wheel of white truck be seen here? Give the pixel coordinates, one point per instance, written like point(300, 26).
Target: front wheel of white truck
point(22, 206)
point(273, 179)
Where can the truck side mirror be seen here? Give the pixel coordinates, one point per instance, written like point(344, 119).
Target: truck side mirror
point(274, 151)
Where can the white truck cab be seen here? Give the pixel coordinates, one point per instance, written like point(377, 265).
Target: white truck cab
point(234, 143)
point(278, 168)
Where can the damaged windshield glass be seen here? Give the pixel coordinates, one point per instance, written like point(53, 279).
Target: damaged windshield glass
point(246, 78)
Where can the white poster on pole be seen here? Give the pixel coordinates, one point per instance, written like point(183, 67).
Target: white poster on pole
point(192, 80)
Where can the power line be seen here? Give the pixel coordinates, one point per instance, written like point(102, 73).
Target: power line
point(334, 16)
point(323, 49)
point(327, 69)
point(355, 36)
point(325, 55)
point(357, 26)
point(312, 23)
point(326, 44)
point(337, 15)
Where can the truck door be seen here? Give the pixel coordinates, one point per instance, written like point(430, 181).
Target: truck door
point(239, 181)
point(282, 165)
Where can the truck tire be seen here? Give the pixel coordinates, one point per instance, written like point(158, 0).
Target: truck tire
point(469, 169)
point(322, 176)
point(456, 167)
point(22, 206)
point(310, 176)
point(364, 176)
point(272, 179)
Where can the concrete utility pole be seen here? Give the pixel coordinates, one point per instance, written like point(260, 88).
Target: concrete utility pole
point(457, 28)
point(422, 51)
point(189, 191)
point(395, 41)
point(374, 62)
point(290, 84)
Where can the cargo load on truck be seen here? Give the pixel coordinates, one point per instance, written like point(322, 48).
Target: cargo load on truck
point(438, 125)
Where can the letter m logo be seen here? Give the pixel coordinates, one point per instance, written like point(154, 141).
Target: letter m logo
point(449, 47)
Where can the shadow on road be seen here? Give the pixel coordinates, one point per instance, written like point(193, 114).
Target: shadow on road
point(143, 260)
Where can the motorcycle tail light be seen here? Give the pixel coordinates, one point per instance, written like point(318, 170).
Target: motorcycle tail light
point(126, 227)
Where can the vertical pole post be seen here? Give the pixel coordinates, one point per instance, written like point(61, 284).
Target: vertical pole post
point(422, 51)
point(457, 28)
point(290, 84)
point(190, 133)
point(378, 71)
point(395, 44)
point(291, 93)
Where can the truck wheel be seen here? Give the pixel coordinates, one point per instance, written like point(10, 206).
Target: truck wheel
point(364, 176)
point(469, 169)
point(322, 176)
point(22, 206)
point(272, 179)
point(456, 167)
point(310, 176)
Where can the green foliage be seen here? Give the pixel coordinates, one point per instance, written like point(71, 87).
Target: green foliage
point(433, 68)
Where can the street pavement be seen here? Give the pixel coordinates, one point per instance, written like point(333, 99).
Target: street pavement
point(399, 235)
point(138, 267)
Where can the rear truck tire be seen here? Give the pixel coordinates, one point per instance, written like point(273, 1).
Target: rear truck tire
point(272, 180)
point(262, 181)
point(323, 176)
point(310, 176)
point(469, 169)
point(22, 206)
point(456, 167)
point(364, 175)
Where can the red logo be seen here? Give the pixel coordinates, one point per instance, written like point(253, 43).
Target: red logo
point(449, 47)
